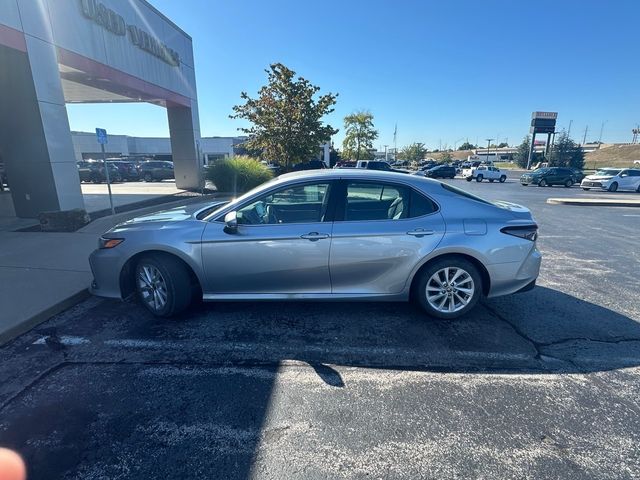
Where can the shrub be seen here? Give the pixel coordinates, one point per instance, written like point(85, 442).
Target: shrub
point(238, 174)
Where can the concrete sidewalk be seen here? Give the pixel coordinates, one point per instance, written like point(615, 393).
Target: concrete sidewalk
point(42, 274)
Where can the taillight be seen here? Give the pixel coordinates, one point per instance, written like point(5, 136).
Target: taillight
point(528, 232)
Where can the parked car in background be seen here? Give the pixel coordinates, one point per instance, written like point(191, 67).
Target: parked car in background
point(439, 171)
point(613, 179)
point(484, 172)
point(310, 165)
point(3, 176)
point(549, 176)
point(378, 165)
point(578, 175)
point(93, 171)
point(300, 236)
point(156, 170)
point(345, 164)
point(128, 169)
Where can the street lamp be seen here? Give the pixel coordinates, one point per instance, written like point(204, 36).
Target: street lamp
point(488, 147)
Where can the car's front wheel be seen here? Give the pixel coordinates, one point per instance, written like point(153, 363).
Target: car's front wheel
point(163, 284)
point(148, 177)
point(542, 183)
point(503, 178)
point(613, 187)
point(449, 287)
point(568, 183)
point(479, 178)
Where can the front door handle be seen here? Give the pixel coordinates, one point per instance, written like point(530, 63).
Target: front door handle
point(420, 232)
point(313, 236)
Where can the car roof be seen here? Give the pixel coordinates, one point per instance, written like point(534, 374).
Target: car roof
point(357, 174)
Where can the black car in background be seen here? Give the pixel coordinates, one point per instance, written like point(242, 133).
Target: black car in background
point(310, 165)
point(156, 170)
point(441, 171)
point(549, 176)
point(128, 169)
point(93, 171)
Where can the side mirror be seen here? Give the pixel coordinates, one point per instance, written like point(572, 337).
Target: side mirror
point(231, 222)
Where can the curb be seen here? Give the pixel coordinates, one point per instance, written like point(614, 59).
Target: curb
point(594, 202)
point(43, 316)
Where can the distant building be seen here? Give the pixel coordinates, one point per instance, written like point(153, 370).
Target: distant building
point(85, 146)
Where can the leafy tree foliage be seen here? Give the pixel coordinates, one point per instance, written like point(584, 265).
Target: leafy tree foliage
point(413, 152)
point(359, 136)
point(522, 153)
point(566, 153)
point(286, 118)
point(467, 146)
point(503, 145)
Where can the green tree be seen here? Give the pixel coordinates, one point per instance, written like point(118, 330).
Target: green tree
point(359, 136)
point(503, 145)
point(566, 153)
point(522, 153)
point(286, 118)
point(467, 146)
point(413, 153)
point(446, 158)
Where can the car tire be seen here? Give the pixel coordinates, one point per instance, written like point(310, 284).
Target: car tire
point(586, 189)
point(148, 177)
point(163, 284)
point(469, 179)
point(503, 178)
point(568, 183)
point(96, 179)
point(435, 270)
point(613, 187)
point(524, 184)
point(638, 189)
point(542, 183)
point(479, 178)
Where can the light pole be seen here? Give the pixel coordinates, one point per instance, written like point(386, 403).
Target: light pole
point(488, 147)
point(601, 129)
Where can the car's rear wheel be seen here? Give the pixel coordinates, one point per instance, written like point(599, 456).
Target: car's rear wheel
point(568, 183)
point(524, 184)
point(449, 287)
point(638, 189)
point(469, 179)
point(503, 178)
point(479, 178)
point(542, 183)
point(613, 187)
point(163, 284)
point(586, 189)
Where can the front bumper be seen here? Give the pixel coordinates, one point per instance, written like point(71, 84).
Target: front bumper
point(106, 265)
point(592, 184)
point(529, 180)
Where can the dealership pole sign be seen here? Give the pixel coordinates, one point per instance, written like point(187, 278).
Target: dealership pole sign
point(542, 122)
point(115, 23)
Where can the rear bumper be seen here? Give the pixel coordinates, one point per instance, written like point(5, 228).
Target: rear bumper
point(512, 277)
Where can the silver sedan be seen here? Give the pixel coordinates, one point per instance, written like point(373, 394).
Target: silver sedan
point(325, 235)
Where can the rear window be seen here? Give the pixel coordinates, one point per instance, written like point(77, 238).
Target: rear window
point(462, 193)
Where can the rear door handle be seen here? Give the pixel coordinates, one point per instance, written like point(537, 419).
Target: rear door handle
point(420, 232)
point(314, 236)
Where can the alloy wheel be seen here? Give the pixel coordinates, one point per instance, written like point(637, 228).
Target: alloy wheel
point(450, 289)
point(153, 287)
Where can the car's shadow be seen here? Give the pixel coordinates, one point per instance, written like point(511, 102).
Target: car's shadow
point(192, 397)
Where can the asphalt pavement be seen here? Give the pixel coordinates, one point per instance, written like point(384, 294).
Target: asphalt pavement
point(543, 384)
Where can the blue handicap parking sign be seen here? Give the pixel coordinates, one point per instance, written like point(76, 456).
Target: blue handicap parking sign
point(101, 133)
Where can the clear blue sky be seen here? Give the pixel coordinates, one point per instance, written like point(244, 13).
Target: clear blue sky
point(443, 70)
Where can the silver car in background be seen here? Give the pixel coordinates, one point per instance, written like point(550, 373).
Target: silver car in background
point(325, 235)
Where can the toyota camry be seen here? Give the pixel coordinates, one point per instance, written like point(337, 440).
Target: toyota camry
point(325, 235)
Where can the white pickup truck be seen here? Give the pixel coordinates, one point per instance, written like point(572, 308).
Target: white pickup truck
point(484, 172)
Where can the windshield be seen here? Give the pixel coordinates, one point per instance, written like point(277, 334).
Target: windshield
point(542, 170)
point(607, 172)
point(236, 201)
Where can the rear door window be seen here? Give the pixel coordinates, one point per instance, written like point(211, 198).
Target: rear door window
point(381, 201)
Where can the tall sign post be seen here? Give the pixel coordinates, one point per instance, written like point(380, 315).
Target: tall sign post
point(541, 122)
point(101, 134)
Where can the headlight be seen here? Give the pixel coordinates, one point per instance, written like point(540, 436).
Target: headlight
point(109, 242)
